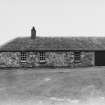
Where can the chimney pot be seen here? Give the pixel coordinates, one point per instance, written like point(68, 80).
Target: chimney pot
point(33, 33)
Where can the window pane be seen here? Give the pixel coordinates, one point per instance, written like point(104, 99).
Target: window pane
point(42, 57)
point(77, 57)
point(23, 56)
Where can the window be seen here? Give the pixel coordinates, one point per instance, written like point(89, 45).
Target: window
point(42, 57)
point(77, 57)
point(23, 56)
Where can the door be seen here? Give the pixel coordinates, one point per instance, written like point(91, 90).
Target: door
point(100, 58)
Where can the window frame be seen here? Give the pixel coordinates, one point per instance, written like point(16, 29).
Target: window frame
point(77, 57)
point(42, 57)
point(23, 57)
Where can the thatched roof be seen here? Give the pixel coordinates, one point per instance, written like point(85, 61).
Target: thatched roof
point(56, 43)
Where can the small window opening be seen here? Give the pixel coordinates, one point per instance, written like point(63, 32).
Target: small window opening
point(42, 57)
point(77, 57)
point(23, 57)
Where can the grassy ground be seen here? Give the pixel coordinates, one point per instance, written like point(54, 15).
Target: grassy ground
point(52, 86)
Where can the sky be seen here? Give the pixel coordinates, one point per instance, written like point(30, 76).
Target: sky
point(62, 18)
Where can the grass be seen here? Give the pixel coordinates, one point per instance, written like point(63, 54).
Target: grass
point(38, 85)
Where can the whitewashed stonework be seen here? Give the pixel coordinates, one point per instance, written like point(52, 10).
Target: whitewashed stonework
point(9, 59)
point(53, 59)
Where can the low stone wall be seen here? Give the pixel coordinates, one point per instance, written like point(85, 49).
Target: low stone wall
point(53, 59)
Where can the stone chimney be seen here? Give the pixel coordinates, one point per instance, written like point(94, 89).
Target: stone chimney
point(33, 33)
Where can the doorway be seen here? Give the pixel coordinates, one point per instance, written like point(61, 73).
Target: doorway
point(100, 58)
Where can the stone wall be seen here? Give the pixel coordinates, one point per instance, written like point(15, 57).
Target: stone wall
point(60, 59)
point(53, 59)
point(87, 59)
point(9, 59)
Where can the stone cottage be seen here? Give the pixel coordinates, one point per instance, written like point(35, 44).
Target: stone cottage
point(36, 51)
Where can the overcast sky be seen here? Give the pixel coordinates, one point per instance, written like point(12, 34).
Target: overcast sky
point(51, 18)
